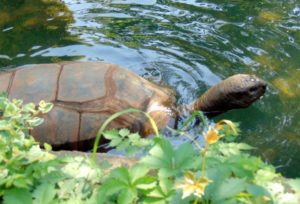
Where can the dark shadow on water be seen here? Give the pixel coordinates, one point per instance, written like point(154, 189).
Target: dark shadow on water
point(28, 28)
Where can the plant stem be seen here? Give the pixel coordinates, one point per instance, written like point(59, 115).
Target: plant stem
point(196, 201)
point(190, 137)
point(203, 165)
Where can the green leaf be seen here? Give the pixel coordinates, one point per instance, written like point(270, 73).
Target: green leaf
point(265, 175)
point(17, 102)
point(47, 147)
point(161, 155)
point(115, 142)
point(127, 197)
point(111, 134)
point(138, 171)
point(213, 173)
point(166, 186)
point(44, 193)
point(162, 193)
point(126, 183)
point(34, 154)
point(244, 166)
point(168, 172)
point(111, 186)
point(123, 140)
point(121, 174)
point(5, 125)
point(11, 110)
point(295, 184)
point(184, 155)
point(169, 161)
point(17, 196)
point(229, 188)
point(134, 137)
point(145, 183)
point(123, 145)
point(35, 121)
point(142, 142)
point(176, 199)
point(257, 191)
point(22, 182)
point(124, 132)
point(230, 149)
point(239, 171)
point(30, 107)
point(45, 107)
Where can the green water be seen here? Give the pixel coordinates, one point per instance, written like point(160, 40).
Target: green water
point(186, 44)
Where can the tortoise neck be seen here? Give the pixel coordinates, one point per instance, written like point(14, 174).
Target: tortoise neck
point(181, 111)
point(213, 102)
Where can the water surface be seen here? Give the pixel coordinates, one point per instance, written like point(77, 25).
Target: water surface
point(186, 44)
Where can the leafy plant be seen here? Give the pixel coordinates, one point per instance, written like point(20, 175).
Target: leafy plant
point(21, 158)
point(217, 171)
point(123, 140)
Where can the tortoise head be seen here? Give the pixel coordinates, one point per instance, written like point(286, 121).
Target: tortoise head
point(242, 90)
point(237, 91)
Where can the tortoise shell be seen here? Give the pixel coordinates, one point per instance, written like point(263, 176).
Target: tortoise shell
point(84, 95)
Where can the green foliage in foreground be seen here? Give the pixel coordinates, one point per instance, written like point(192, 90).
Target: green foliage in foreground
point(219, 172)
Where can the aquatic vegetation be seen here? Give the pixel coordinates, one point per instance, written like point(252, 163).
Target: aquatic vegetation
point(269, 16)
point(288, 86)
point(284, 87)
point(5, 18)
point(31, 25)
point(268, 62)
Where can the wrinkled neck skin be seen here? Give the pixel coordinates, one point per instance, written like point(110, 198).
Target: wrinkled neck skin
point(212, 103)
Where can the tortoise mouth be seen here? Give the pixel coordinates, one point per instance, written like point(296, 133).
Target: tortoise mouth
point(254, 93)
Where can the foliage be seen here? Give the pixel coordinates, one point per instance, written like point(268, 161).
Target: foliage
point(218, 171)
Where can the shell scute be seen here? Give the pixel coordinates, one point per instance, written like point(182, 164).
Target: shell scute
point(35, 83)
point(4, 81)
point(89, 126)
point(61, 126)
point(81, 82)
point(133, 89)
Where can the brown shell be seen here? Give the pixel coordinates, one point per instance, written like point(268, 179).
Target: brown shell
point(85, 94)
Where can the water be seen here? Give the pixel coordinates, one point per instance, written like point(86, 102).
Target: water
point(186, 44)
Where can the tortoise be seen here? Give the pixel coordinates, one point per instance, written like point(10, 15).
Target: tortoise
point(85, 94)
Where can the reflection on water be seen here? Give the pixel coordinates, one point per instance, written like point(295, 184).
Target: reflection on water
point(186, 44)
point(29, 26)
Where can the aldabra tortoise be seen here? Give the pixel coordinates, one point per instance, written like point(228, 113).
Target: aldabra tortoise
point(87, 93)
